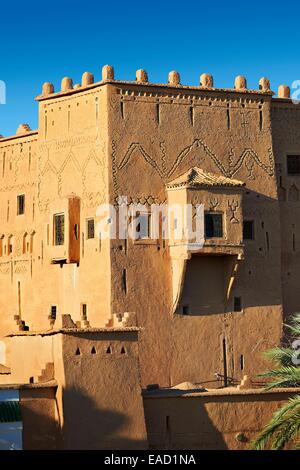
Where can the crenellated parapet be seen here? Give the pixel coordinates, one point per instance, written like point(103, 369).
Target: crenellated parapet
point(141, 85)
point(206, 83)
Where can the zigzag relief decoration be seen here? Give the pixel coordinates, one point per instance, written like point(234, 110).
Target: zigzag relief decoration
point(269, 169)
point(131, 149)
point(248, 157)
point(196, 144)
point(92, 198)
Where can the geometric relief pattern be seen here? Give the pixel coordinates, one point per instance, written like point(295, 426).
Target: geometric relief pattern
point(21, 267)
point(5, 267)
point(93, 178)
point(85, 178)
point(248, 159)
point(18, 244)
point(69, 176)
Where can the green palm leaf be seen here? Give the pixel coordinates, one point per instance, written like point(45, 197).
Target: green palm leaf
point(284, 426)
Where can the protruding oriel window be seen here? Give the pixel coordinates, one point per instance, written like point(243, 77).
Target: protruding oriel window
point(59, 229)
point(20, 204)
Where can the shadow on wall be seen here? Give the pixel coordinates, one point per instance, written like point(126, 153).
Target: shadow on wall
point(180, 423)
point(40, 429)
point(258, 279)
point(86, 426)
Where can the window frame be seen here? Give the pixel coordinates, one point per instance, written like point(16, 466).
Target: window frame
point(89, 219)
point(253, 229)
point(148, 238)
point(291, 155)
point(212, 213)
point(20, 197)
point(53, 312)
point(55, 238)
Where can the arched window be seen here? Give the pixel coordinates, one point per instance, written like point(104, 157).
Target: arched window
point(32, 235)
point(10, 244)
point(25, 243)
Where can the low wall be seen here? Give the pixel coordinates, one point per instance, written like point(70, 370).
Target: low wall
point(102, 398)
point(220, 419)
point(38, 425)
point(38, 410)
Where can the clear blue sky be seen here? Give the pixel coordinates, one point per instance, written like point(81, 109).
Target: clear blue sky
point(47, 40)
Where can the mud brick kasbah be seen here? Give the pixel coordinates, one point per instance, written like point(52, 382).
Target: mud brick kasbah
point(147, 343)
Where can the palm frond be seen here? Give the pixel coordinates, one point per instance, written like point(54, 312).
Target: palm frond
point(284, 426)
point(288, 431)
point(288, 376)
point(288, 416)
point(281, 355)
point(294, 324)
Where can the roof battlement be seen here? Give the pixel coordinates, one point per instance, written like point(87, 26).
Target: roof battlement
point(173, 85)
point(206, 82)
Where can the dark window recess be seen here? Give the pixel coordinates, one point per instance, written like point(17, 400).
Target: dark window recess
point(237, 304)
point(84, 311)
point(21, 204)
point(185, 310)
point(124, 280)
point(242, 362)
point(213, 225)
point(225, 376)
point(168, 422)
point(53, 312)
point(76, 231)
point(293, 164)
point(90, 228)
point(248, 230)
point(228, 119)
point(267, 241)
point(59, 229)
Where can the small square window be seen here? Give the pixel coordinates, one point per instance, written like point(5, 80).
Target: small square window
point(59, 229)
point(248, 230)
point(213, 225)
point(237, 304)
point(20, 204)
point(293, 164)
point(90, 228)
